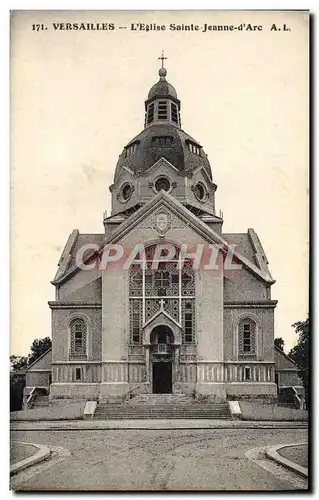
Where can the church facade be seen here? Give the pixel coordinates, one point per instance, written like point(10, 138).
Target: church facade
point(162, 301)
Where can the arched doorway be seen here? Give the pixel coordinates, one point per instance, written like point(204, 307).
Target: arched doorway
point(162, 340)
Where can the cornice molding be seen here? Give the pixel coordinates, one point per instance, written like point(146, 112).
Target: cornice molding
point(251, 304)
point(74, 305)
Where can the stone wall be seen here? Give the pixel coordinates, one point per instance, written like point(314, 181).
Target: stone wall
point(61, 318)
point(38, 379)
point(240, 285)
point(64, 373)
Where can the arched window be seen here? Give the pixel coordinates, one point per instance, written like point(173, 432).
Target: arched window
point(78, 331)
point(170, 286)
point(247, 337)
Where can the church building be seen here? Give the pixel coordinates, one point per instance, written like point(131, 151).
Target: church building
point(163, 301)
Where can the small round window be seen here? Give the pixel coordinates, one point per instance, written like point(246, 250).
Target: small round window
point(126, 192)
point(162, 183)
point(200, 191)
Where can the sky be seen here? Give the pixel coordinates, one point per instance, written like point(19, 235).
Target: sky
point(77, 98)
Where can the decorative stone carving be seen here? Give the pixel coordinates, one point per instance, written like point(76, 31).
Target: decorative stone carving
point(162, 221)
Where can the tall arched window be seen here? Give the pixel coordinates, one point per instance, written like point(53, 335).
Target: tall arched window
point(78, 342)
point(170, 286)
point(247, 337)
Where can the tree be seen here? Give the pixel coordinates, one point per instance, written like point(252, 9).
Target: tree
point(279, 342)
point(18, 363)
point(300, 352)
point(17, 381)
point(39, 347)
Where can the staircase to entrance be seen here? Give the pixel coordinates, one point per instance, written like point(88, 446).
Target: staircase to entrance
point(162, 406)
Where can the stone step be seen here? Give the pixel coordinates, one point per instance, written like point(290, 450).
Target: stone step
point(169, 406)
point(164, 411)
point(154, 408)
point(171, 412)
point(153, 399)
point(161, 417)
point(163, 395)
point(164, 405)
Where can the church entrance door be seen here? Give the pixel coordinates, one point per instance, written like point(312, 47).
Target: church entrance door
point(162, 377)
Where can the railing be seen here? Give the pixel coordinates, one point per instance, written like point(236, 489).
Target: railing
point(161, 349)
point(290, 396)
point(297, 400)
point(130, 392)
point(31, 398)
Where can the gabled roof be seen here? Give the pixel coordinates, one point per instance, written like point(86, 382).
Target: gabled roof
point(39, 359)
point(248, 244)
point(242, 243)
point(165, 199)
point(192, 220)
point(75, 241)
point(286, 357)
point(158, 315)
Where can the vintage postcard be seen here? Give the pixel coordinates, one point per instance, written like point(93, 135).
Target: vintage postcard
point(159, 249)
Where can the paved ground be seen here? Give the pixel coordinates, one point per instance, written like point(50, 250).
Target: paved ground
point(297, 454)
point(207, 459)
point(20, 452)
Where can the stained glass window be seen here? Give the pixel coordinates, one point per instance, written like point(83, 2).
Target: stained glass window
point(78, 337)
point(169, 286)
point(136, 321)
point(247, 336)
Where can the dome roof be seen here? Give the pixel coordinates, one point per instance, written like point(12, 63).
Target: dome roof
point(162, 88)
point(148, 150)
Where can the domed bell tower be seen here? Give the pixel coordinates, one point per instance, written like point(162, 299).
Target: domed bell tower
point(163, 157)
point(162, 105)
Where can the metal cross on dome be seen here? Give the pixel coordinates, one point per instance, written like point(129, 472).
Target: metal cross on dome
point(162, 58)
